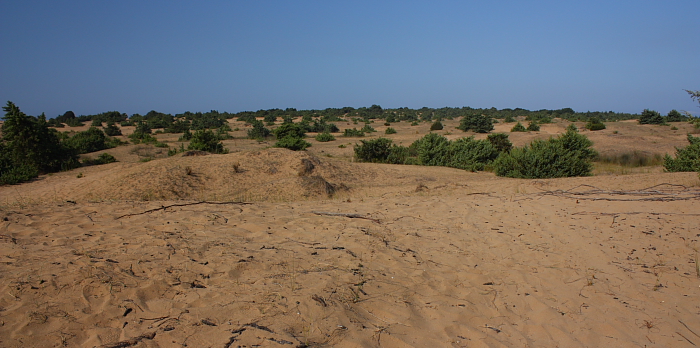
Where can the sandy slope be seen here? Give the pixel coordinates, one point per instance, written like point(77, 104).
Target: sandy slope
point(434, 257)
point(243, 250)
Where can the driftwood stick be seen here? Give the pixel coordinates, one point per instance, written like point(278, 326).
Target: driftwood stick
point(180, 205)
point(347, 215)
point(130, 342)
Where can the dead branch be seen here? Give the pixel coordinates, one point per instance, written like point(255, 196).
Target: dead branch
point(181, 205)
point(130, 342)
point(347, 215)
point(665, 192)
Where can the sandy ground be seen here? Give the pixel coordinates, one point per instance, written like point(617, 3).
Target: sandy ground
point(272, 248)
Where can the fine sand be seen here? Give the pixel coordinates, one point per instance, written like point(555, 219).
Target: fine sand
point(274, 248)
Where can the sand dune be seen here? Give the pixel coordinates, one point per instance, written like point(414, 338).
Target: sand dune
point(440, 257)
point(274, 248)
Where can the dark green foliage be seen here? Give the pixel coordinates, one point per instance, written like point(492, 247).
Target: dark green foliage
point(509, 119)
point(477, 123)
point(436, 126)
point(103, 158)
point(463, 153)
point(374, 150)
point(258, 131)
point(390, 130)
point(650, 117)
point(90, 140)
point(112, 130)
point(414, 123)
point(353, 133)
point(293, 130)
point(518, 128)
point(96, 123)
point(178, 126)
point(500, 142)
point(631, 159)
point(186, 136)
point(141, 131)
point(367, 129)
point(533, 127)
point(320, 126)
point(594, 124)
point(687, 158)
point(28, 147)
point(675, 116)
point(270, 118)
point(565, 156)
point(206, 140)
point(324, 137)
point(293, 143)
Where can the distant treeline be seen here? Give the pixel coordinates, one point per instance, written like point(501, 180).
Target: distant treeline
point(213, 118)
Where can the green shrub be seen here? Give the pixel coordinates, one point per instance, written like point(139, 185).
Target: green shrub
point(90, 140)
point(414, 123)
point(464, 153)
point(367, 129)
point(651, 117)
point(258, 131)
point(293, 130)
point(436, 126)
point(206, 140)
point(565, 156)
point(687, 158)
point(324, 137)
point(374, 150)
point(509, 119)
point(112, 130)
point(353, 133)
point(390, 130)
point(518, 128)
point(595, 124)
point(533, 127)
point(500, 142)
point(186, 136)
point(292, 143)
point(476, 123)
point(28, 147)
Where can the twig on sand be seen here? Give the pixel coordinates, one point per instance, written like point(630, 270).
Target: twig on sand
point(181, 205)
point(665, 192)
point(130, 342)
point(347, 215)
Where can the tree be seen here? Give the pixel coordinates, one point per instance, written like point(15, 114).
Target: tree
point(436, 126)
point(595, 124)
point(674, 116)
point(500, 141)
point(477, 123)
point(258, 131)
point(650, 117)
point(565, 156)
point(28, 147)
point(687, 159)
point(112, 130)
point(206, 140)
point(518, 128)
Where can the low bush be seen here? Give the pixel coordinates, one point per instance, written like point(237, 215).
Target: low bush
point(565, 156)
point(112, 130)
point(500, 142)
point(477, 123)
point(258, 131)
point(367, 129)
point(390, 130)
point(518, 128)
point(324, 137)
point(353, 132)
point(595, 124)
point(206, 140)
point(687, 158)
point(533, 127)
point(292, 143)
point(436, 126)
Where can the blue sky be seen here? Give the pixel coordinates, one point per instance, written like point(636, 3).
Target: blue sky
point(176, 56)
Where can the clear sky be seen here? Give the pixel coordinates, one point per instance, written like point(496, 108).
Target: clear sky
point(175, 56)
